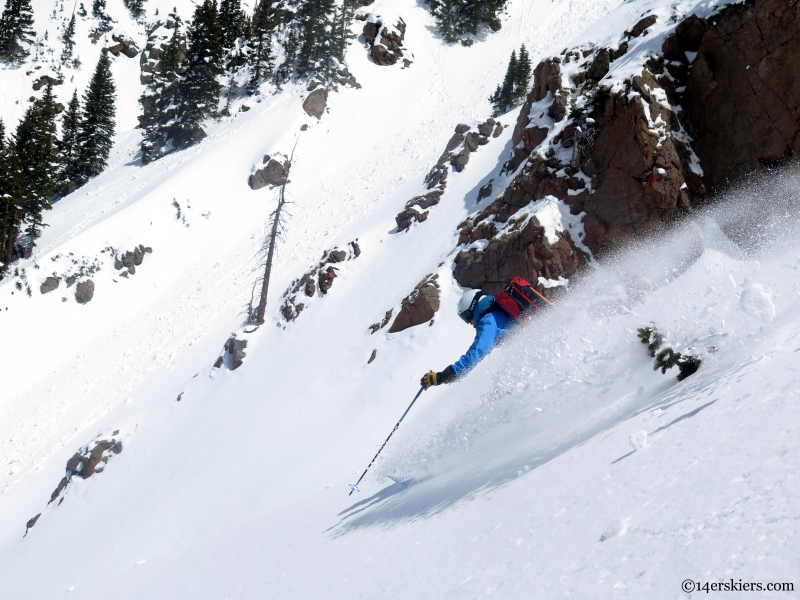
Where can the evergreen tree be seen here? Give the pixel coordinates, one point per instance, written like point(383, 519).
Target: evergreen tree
point(99, 12)
point(454, 18)
point(16, 28)
point(265, 20)
point(231, 22)
point(447, 19)
point(341, 29)
point(68, 146)
point(197, 94)
point(99, 9)
point(35, 143)
point(69, 41)
point(135, 7)
point(158, 107)
point(96, 130)
point(316, 44)
point(516, 83)
point(522, 75)
point(10, 201)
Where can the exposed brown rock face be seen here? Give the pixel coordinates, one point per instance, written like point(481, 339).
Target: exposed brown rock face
point(742, 101)
point(631, 169)
point(388, 49)
point(523, 251)
point(419, 306)
point(86, 462)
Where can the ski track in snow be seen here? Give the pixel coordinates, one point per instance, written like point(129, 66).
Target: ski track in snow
point(521, 480)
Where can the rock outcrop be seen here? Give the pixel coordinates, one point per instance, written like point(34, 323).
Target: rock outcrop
point(131, 259)
point(419, 306)
point(157, 40)
point(317, 281)
point(416, 209)
point(86, 462)
point(46, 80)
point(124, 45)
point(385, 41)
point(271, 173)
point(721, 102)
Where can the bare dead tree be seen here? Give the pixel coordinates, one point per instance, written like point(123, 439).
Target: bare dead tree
point(276, 228)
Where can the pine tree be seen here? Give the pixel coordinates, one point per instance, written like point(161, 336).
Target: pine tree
point(265, 20)
point(231, 22)
point(522, 75)
point(68, 146)
point(99, 12)
point(158, 108)
point(10, 200)
point(455, 18)
point(16, 28)
point(198, 90)
point(69, 41)
point(315, 28)
point(515, 83)
point(342, 34)
point(135, 7)
point(35, 144)
point(96, 131)
point(99, 9)
point(447, 18)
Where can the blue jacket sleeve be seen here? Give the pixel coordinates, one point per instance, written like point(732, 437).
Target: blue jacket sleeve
point(485, 340)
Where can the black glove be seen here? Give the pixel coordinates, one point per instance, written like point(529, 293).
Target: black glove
point(433, 378)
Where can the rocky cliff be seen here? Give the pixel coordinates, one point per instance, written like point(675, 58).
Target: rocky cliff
point(633, 134)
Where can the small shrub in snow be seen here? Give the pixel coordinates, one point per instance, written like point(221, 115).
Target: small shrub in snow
point(666, 358)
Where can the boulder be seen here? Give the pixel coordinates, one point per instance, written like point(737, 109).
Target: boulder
point(271, 174)
point(485, 129)
point(49, 285)
point(84, 291)
point(454, 142)
point(643, 25)
point(44, 80)
point(376, 326)
point(600, 65)
point(419, 306)
point(462, 128)
point(386, 49)
point(236, 349)
point(336, 256)
point(315, 103)
point(86, 463)
point(326, 278)
point(32, 521)
point(127, 46)
point(460, 160)
point(472, 141)
point(310, 288)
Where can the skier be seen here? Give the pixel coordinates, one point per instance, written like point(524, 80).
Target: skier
point(491, 323)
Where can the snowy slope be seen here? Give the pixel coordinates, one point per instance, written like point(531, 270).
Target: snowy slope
point(517, 473)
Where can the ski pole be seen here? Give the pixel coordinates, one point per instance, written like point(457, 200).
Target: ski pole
point(353, 485)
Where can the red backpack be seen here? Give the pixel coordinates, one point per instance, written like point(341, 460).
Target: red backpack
point(519, 298)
